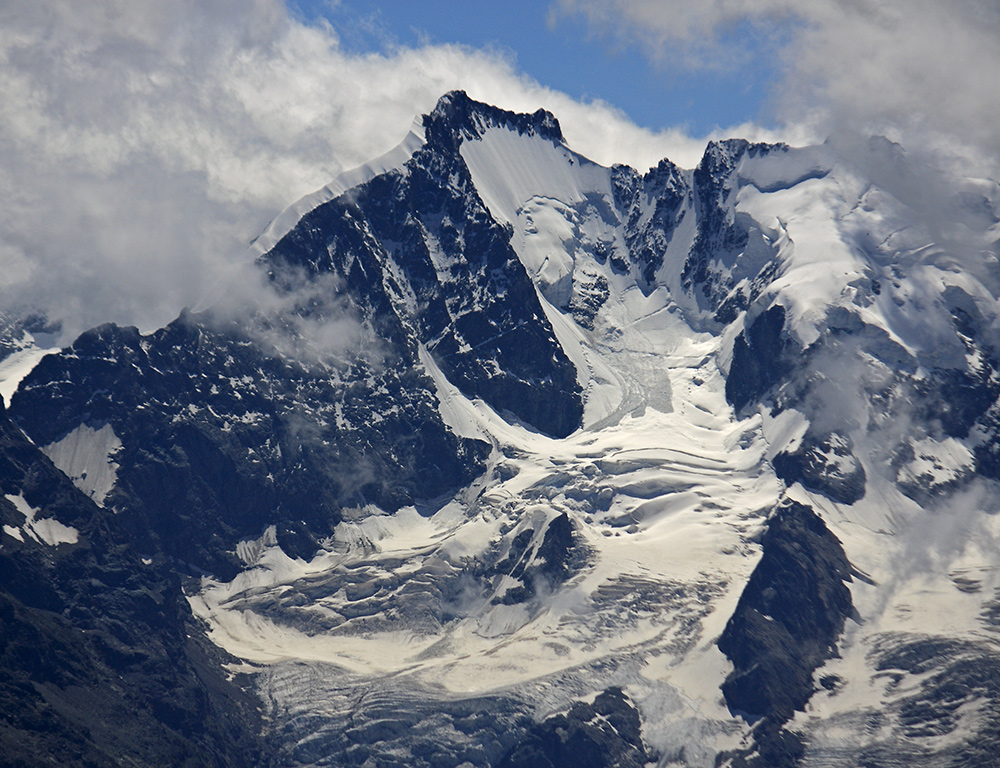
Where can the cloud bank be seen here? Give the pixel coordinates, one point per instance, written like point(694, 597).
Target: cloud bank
point(920, 71)
point(145, 143)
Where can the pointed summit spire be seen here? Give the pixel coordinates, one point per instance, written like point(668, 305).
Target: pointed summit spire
point(457, 117)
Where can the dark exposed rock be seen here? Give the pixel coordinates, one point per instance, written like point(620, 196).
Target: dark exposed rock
point(759, 359)
point(604, 734)
point(457, 118)
point(539, 561)
point(714, 179)
point(826, 465)
point(589, 295)
point(710, 272)
point(223, 436)
point(786, 624)
point(956, 399)
point(101, 661)
point(923, 476)
point(666, 190)
point(745, 293)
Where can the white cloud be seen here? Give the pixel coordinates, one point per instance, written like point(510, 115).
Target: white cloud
point(921, 71)
point(145, 143)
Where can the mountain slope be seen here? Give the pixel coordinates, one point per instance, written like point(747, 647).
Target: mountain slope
point(102, 661)
point(517, 459)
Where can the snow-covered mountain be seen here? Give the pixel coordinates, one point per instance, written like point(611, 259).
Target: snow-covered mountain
point(517, 460)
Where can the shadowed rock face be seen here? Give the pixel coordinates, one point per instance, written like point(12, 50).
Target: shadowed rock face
point(715, 263)
point(418, 253)
point(648, 239)
point(605, 733)
point(786, 625)
point(827, 465)
point(558, 556)
point(223, 436)
point(759, 359)
point(101, 661)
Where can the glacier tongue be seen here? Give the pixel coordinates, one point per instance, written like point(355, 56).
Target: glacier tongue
point(663, 507)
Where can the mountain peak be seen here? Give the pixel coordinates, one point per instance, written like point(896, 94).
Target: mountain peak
point(458, 117)
point(545, 419)
point(728, 152)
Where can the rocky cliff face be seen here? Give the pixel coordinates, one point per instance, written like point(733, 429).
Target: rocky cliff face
point(102, 661)
point(422, 259)
point(217, 434)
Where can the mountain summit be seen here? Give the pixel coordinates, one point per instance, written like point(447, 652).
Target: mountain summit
point(513, 459)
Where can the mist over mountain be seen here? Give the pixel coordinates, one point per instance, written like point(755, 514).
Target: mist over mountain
point(501, 457)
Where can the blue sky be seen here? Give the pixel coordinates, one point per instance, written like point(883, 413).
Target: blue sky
point(560, 51)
